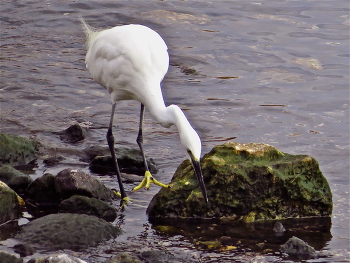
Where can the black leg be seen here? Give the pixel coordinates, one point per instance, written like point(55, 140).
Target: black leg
point(148, 179)
point(110, 140)
point(139, 139)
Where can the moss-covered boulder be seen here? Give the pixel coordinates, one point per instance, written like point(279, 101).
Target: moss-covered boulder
point(17, 150)
point(9, 204)
point(247, 183)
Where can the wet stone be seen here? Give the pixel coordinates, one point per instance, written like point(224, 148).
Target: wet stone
point(8, 258)
point(279, 229)
point(73, 134)
point(24, 249)
point(90, 206)
point(75, 182)
point(53, 160)
point(14, 179)
point(278, 185)
point(298, 248)
point(67, 231)
point(129, 161)
point(42, 190)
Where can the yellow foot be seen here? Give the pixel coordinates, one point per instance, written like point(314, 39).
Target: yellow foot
point(147, 180)
point(123, 202)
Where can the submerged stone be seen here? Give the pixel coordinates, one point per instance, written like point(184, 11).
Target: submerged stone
point(246, 183)
point(298, 248)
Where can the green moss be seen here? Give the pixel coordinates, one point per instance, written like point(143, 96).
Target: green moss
point(247, 182)
point(16, 149)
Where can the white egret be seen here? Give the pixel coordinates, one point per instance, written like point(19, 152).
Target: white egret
point(130, 61)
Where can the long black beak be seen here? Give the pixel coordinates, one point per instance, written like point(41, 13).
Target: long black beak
point(198, 172)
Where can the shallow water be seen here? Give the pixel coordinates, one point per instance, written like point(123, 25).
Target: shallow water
point(274, 72)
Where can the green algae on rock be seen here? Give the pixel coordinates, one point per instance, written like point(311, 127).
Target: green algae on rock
point(247, 182)
point(17, 150)
point(9, 204)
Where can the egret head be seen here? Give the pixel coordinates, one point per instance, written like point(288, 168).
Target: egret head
point(191, 141)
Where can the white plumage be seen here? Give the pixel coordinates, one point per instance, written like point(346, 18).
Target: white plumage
point(130, 62)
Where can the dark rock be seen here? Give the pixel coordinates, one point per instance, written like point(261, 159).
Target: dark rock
point(17, 150)
point(9, 204)
point(129, 161)
point(67, 231)
point(75, 182)
point(8, 258)
point(58, 258)
point(92, 151)
point(298, 248)
point(53, 160)
point(14, 178)
point(45, 193)
point(8, 229)
point(90, 206)
point(42, 190)
point(73, 134)
point(124, 257)
point(24, 249)
point(248, 183)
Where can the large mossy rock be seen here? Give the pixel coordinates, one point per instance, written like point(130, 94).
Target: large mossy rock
point(248, 183)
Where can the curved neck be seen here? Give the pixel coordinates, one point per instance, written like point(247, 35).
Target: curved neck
point(171, 115)
point(166, 116)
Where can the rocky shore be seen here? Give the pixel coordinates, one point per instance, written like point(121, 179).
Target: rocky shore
point(252, 188)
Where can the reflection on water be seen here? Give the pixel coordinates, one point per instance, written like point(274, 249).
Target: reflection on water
point(271, 72)
point(257, 236)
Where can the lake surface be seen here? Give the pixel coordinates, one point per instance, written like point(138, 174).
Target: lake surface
point(274, 72)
